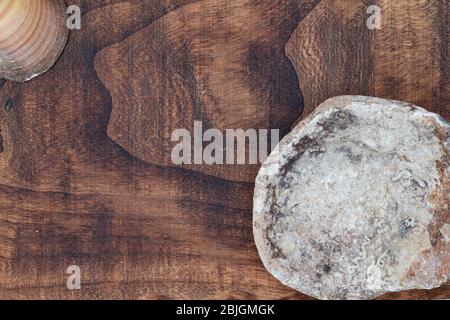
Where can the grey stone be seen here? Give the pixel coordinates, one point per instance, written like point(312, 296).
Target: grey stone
point(354, 202)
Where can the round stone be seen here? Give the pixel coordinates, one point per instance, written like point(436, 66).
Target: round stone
point(354, 202)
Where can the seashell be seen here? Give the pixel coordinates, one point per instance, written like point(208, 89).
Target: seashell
point(353, 203)
point(33, 34)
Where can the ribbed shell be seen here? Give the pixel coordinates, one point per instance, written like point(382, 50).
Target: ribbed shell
point(33, 34)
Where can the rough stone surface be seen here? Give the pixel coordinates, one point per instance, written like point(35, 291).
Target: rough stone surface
point(354, 202)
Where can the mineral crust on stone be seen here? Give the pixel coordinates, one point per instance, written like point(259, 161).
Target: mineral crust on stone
point(354, 202)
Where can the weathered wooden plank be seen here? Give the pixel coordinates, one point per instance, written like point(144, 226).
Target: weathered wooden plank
point(71, 195)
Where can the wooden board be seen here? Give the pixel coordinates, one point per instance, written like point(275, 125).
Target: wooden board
point(72, 193)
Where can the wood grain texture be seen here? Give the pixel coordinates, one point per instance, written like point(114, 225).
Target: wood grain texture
point(217, 61)
point(71, 195)
point(407, 59)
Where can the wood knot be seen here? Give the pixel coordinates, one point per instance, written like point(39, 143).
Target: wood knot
point(9, 104)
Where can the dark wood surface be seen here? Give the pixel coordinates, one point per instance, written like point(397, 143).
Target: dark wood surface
point(217, 61)
point(79, 186)
point(407, 59)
